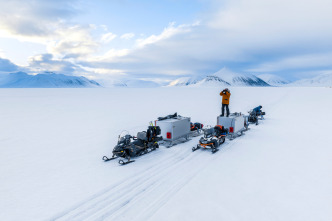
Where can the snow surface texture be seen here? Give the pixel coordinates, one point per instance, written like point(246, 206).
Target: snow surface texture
point(49, 80)
point(223, 77)
point(52, 142)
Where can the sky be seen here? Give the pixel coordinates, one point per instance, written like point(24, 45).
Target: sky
point(166, 39)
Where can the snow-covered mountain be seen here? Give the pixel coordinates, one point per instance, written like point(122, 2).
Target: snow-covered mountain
point(212, 80)
point(185, 81)
point(322, 80)
point(141, 84)
point(273, 80)
point(223, 77)
point(47, 80)
point(137, 83)
point(235, 79)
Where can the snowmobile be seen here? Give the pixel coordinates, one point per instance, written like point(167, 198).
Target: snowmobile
point(196, 129)
point(129, 146)
point(254, 114)
point(213, 138)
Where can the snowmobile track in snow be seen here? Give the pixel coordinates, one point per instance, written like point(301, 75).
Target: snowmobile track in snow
point(139, 197)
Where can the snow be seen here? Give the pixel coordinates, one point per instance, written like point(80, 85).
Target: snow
point(236, 79)
point(227, 75)
point(322, 80)
point(224, 77)
point(46, 80)
point(141, 84)
point(52, 142)
point(273, 80)
point(184, 81)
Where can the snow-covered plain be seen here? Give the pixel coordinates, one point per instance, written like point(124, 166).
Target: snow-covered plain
point(52, 142)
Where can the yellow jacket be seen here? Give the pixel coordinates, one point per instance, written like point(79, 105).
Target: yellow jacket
point(225, 97)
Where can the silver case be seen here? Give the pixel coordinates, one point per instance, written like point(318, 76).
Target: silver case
point(179, 127)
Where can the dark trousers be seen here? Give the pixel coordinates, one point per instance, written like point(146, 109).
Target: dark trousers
point(223, 110)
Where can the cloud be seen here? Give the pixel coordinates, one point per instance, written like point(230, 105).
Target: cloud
point(106, 38)
point(167, 33)
point(7, 66)
point(74, 41)
point(127, 36)
point(274, 36)
point(46, 62)
point(48, 23)
point(306, 61)
point(34, 18)
point(258, 36)
point(143, 57)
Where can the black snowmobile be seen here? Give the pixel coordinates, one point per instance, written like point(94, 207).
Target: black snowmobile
point(129, 146)
point(213, 138)
point(254, 114)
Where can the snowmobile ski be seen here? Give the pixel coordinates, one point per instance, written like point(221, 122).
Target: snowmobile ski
point(215, 150)
point(105, 158)
point(125, 162)
point(196, 148)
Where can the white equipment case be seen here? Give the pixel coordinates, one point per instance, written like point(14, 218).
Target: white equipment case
point(235, 123)
point(174, 128)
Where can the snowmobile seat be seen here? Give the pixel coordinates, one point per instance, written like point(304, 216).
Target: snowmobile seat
point(208, 132)
point(142, 136)
point(219, 130)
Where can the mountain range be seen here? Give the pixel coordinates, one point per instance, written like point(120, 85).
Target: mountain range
point(47, 80)
point(223, 77)
point(273, 80)
point(322, 80)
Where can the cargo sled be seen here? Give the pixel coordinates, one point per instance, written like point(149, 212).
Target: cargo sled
point(174, 129)
point(130, 146)
point(212, 139)
point(236, 123)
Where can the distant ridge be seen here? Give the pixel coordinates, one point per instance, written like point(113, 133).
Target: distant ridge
point(322, 80)
point(222, 77)
point(273, 80)
point(47, 80)
point(185, 81)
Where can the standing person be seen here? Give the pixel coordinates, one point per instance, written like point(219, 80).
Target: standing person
point(225, 101)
